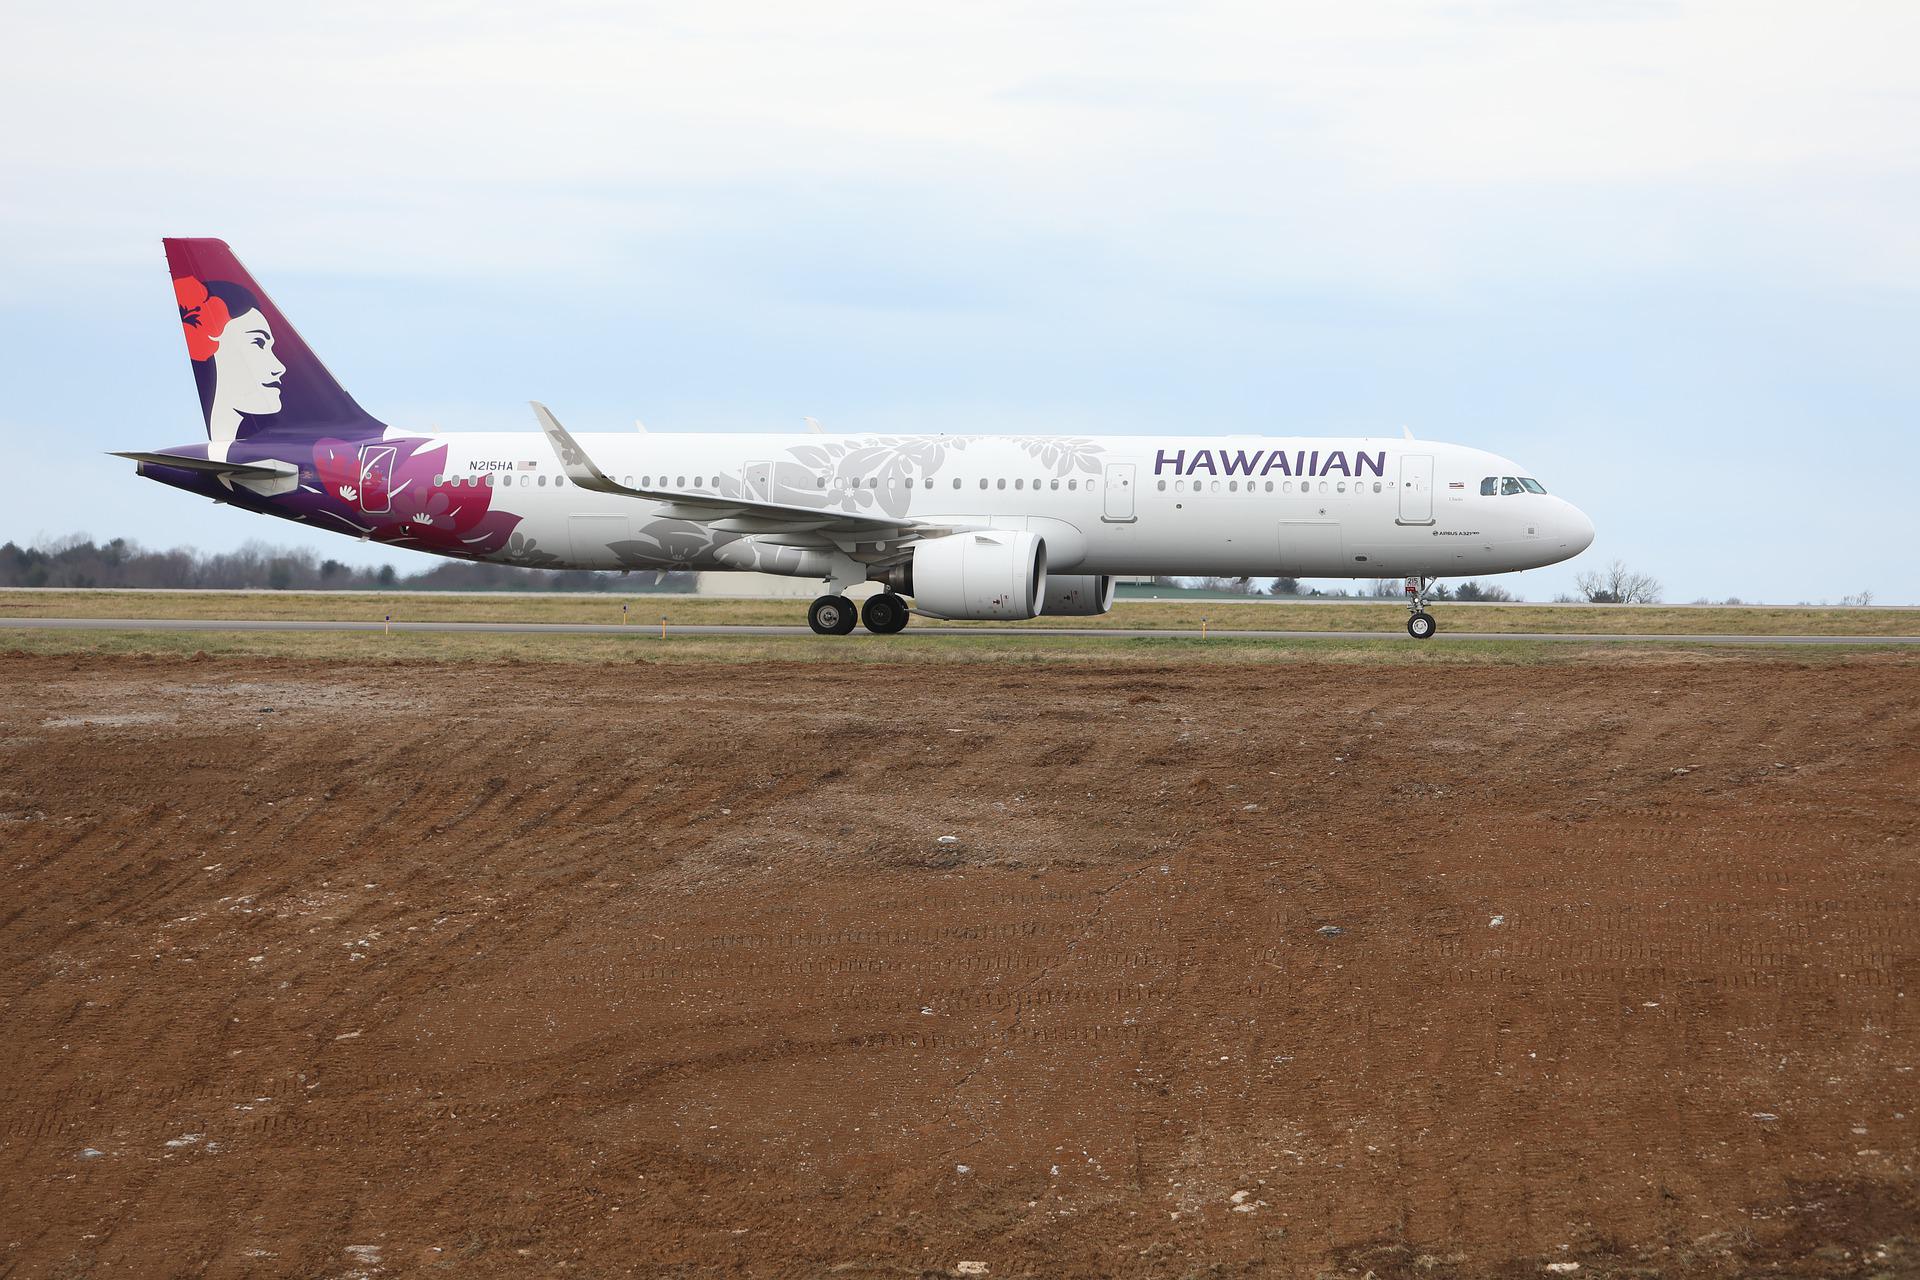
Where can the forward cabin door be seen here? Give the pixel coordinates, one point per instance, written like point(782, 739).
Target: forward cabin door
point(757, 480)
point(1416, 488)
point(1117, 507)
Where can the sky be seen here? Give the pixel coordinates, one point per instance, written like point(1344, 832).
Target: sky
point(1665, 255)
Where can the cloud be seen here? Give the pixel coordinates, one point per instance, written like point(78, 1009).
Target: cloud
point(1396, 145)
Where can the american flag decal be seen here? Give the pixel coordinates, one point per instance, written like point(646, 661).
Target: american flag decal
point(526, 466)
point(1456, 484)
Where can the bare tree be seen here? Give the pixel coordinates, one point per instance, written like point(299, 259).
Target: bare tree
point(1617, 584)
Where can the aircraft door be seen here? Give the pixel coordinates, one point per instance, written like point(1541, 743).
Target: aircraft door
point(1416, 488)
point(1117, 503)
point(376, 478)
point(757, 480)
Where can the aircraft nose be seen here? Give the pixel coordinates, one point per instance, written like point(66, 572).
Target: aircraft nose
point(1579, 532)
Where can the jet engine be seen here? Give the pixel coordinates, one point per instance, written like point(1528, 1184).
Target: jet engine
point(1078, 595)
point(988, 575)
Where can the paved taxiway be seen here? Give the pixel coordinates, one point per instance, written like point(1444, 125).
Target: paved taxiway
point(1122, 633)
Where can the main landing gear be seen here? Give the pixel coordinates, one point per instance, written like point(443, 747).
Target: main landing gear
point(1420, 625)
point(883, 615)
point(832, 616)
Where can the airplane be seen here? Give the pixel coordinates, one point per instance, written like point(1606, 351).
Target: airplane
point(976, 527)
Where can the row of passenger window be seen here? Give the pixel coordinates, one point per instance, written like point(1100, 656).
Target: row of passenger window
point(1286, 486)
point(498, 480)
point(926, 482)
point(507, 480)
point(1508, 485)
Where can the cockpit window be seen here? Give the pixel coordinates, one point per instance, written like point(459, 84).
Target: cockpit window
point(1508, 485)
point(1533, 486)
point(1490, 486)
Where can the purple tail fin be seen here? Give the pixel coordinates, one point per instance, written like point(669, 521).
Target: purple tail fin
point(257, 378)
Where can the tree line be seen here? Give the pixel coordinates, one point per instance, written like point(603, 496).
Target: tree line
point(121, 563)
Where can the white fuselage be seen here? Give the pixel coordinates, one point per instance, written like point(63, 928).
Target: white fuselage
point(1234, 505)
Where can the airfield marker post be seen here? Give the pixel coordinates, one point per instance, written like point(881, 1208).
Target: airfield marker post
point(387, 629)
point(1203, 627)
point(663, 628)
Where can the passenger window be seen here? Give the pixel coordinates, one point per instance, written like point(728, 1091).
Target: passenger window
point(819, 482)
point(1001, 483)
point(646, 482)
point(1162, 485)
point(1340, 487)
point(983, 482)
point(1286, 486)
point(1323, 486)
point(679, 482)
point(956, 482)
point(1233, 486)
point(1509, 486)
point(1376, 486)
point(1019, 484)
point(1216, 486)
point(1072, 483)
point(1269, 486)
point(543, 482)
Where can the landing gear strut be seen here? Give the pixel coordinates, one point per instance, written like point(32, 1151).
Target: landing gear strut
point(884, 614)
point(1420, 625)
point(832, 616)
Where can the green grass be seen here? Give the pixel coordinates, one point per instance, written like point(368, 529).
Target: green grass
point(1386, 617)
point(436, 647)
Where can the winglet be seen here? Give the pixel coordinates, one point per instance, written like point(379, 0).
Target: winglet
point(573, 459)
point(1406, 431)
point(813, 425)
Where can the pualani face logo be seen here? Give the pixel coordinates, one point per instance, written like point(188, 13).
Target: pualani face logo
point(231, 344)
point(1264, 462)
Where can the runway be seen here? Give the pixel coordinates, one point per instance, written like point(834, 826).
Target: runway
point(641, 631)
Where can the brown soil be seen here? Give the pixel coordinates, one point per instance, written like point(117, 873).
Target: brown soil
point(325, 970)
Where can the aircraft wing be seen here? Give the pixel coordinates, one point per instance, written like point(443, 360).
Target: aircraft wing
point(735, 515)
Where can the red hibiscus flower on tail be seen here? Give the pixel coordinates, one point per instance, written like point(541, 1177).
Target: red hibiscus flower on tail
point(203, 316)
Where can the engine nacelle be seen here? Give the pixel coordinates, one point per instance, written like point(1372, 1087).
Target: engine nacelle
point(985, 575)
point(1078, 595)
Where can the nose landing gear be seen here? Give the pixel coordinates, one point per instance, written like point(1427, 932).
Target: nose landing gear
point(1420, 625)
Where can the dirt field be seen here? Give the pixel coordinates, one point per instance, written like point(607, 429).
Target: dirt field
point(336, 968)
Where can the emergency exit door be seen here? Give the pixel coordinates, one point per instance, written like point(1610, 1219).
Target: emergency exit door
point(1117, 507)
point(1416, 488)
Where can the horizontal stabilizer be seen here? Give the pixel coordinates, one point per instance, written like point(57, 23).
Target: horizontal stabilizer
point(237, 470)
